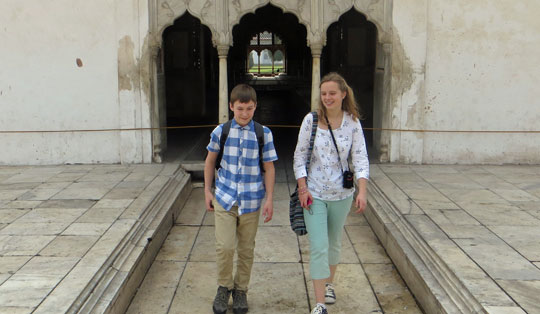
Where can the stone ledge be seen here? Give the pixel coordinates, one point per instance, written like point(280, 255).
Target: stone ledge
point(191, 166)
point(116, 282)
point(435, 286)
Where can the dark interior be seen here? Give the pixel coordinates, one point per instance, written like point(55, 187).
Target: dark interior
point(191, 73)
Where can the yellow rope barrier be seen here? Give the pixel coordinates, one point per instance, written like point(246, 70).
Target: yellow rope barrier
point(271, 126)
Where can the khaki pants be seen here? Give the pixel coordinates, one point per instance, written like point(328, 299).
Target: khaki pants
point(234, 231)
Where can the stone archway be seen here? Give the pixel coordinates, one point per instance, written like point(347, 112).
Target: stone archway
point(350, 50)
point(221, 15)
point(258, 38)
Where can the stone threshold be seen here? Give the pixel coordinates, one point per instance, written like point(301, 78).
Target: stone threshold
point(434, 284)
point(112, 285)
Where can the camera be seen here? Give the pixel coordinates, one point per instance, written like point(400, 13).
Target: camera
point(348, 179)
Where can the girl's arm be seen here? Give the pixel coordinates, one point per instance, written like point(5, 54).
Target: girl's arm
point(360, 165)
point(302, 148)
point(359, 155)
point(361, 198)
point(300, 160)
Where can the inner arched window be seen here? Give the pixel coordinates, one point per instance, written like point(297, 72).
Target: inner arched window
point(266, 55)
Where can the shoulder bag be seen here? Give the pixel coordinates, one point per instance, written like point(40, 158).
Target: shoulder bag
point(296, 212)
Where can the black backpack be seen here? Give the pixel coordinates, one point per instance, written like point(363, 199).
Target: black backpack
point(259, 131)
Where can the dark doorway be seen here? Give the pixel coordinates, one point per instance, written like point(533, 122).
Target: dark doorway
point(270, 53)
point(191, 86)
point(191, 73)
point(350, 50)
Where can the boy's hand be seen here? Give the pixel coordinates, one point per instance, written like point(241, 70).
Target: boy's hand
point(208, 197)
point(268, 211)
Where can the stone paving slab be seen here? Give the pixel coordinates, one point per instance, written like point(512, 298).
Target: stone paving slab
point(183, 276)
point(59, 225)
point(482, 222)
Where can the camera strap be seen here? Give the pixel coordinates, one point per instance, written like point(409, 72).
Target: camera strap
point(335, 144)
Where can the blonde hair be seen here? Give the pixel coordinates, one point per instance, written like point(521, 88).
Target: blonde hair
point(349, 103)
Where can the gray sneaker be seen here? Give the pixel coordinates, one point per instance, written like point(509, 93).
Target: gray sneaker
point(330, 294)
point(221, 302)
point(240, 305)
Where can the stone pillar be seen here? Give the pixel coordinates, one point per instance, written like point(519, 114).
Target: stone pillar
point(155, 111)
point(316, 50)
point(223, 50)
point(387, 142)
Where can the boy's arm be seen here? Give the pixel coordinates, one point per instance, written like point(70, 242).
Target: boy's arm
point(209, 166)
point(269, 180)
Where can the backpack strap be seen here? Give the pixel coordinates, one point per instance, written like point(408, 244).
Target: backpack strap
point(222, 140)
point(259, 131)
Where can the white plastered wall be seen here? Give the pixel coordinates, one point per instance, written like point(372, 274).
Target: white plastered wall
point(482, 73)
point(43, 88)
point(408, 80)
point(456, 65)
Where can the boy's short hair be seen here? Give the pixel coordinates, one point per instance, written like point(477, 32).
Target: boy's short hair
point(243, 93)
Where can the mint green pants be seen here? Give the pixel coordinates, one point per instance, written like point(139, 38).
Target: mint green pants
point(325, 229)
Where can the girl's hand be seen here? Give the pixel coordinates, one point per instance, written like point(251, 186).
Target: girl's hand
point(305, 200)
point(360, 202)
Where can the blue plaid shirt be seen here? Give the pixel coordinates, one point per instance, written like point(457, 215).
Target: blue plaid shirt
point(239, 180)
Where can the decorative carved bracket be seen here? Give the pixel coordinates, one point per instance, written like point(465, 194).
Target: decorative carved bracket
point(317, 15)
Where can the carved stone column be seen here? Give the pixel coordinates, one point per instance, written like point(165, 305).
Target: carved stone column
point(386, 136)
point(316, 50)
point(155, 110)
point(223, 50)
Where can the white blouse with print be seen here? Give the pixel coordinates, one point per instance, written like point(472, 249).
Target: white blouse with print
point(325, 180)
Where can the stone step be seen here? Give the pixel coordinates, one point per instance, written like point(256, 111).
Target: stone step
point(410, 239)
point(182, 278)
point(192, 166)
point(115, 283)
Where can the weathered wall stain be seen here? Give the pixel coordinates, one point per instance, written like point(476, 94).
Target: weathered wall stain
point(145, 68)
point(402, 74)
point(128, 77)
point(132, 71)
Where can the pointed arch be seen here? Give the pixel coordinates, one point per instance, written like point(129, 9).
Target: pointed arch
point(167, 16)
point(286, 8)
point(377, 12)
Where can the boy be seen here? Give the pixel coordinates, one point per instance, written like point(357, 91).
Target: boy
point(238, 195)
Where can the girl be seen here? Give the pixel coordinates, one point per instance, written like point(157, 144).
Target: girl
point(323, 195)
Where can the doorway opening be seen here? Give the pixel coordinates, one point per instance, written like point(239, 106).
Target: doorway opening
point(270, 53)
point(350, 50)
point(191, 86)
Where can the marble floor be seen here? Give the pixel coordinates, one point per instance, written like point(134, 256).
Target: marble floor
point(182, 278)
point(482, 221)
point(59, 226)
